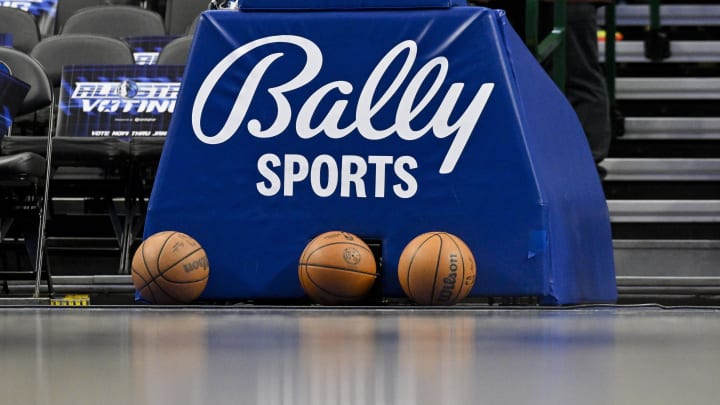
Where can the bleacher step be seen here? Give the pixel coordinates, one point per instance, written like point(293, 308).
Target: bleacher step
point(635, 260)
point(680, 52)
point(662, 169)
point(668, 88)
point(681, 128)
point(670, 15)
point(664, 211)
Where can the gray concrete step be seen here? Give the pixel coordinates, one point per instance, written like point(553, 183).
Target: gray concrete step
point(672, 128)
point(668, 88)
point(670, 15)
point(661, 169)
point(664, 211)
point(681, 52)
point(636, 260)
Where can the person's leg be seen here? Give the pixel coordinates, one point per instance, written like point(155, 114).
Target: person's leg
point(585, 85)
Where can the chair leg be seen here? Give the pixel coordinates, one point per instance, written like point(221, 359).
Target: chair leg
point(128, 235)
point(125, 241)
point(42, 246)
point(48, 275)
point(41, 250)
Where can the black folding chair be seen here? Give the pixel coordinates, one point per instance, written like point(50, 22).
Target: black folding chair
point(66, 8)
point(94, 168)
point(115, 21)
point(23, 27)
point(180, 14)
point(24, 176)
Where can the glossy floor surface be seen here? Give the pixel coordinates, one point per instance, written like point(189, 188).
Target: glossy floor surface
point(209, 356)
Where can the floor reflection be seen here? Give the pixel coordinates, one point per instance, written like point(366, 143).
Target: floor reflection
point(330, 357)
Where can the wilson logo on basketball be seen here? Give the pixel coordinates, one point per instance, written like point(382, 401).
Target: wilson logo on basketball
point(351, 256)
point(415, 101)
point(449, 281)
point(196, 264)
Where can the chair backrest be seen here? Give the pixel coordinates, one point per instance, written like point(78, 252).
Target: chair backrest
point(191, 29)
point(176, 52)
point(80, 49)
point(179, 14)
point(66, 8)
point(23, 27)
point(114, 21)
point(27, 69)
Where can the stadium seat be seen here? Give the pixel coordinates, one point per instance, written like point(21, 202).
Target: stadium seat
point(180, 14)
point(114, 21)
point(22, 26)
point(79, 49)
point(176, 52)
point(191, 29)
point(66, 8)
point(23, 184)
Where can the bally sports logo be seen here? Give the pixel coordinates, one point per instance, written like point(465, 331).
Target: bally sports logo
point(348, 173)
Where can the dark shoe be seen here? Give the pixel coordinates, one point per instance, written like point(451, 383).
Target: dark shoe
point(602, 172)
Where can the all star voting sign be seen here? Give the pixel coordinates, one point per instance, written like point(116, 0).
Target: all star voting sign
point(386, 120)
point(118, 100)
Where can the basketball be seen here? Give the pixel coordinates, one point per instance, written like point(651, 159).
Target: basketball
point(170, 268)
point(337, 268)
point(436, 268)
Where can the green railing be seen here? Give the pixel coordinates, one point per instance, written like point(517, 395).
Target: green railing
point(553, 45)
point(610, 53)
point(656, 47)
point(654, 15)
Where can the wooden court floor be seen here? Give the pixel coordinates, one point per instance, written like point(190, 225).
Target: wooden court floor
point(330, 356)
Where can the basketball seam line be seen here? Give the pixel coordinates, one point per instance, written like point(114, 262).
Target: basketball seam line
point(345, 297)
point(322, 266)
point(162, 289)
point(160, 274)
point(166, 293)
point(186, 282)
point(153, 278)
point(412, 259)
point(160, 252)
point(142, 250)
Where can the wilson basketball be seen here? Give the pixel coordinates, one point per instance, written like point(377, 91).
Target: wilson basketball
point(170, 268)
point(337, 268)
point(436, 268)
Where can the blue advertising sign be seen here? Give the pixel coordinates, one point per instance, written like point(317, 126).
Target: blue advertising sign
point(118, 100)
point(12, 94)
point(147, 49)
point(6, 40)
point(43, 10)
point(386, 124)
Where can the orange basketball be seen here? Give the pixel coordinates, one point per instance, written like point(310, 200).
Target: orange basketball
point(170, 268)
point(337, 268)
point(436, 268)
